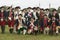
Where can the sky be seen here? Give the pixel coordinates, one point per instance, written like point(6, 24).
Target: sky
point(31, 3)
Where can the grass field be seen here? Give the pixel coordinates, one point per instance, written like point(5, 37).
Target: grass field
point(8, 36)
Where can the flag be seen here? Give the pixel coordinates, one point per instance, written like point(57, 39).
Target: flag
point(49, 5)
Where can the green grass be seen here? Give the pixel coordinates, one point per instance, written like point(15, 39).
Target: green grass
point(8, 36)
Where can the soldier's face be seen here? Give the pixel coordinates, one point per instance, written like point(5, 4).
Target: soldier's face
point(2, 9)
point(45, 16)
point(28, 10)
point(19, 17)
point(42, 11)
point(23, 10)
point(1, 19)
point(38, 9)
point(19, 9)
point(10, 9)
point(53, 18)
point(34, 10)
point(55, 12)
point(47, 11)
point(32, 20)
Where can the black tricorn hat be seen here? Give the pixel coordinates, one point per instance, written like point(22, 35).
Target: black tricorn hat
point(41, 9)
point(47, 9)
point(2, 7)
point(17, 7)
point(34, 8)
point(20, 15)
point(29, 8)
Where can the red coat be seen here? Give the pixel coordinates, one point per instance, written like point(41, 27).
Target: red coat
point(41, 15)
point(54, 26)
point(1, 14)
point(11, 23)
point(45, 22)
point(2, 23)
point(10, 14)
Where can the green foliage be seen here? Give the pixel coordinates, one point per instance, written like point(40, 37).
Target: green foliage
point(58, 9)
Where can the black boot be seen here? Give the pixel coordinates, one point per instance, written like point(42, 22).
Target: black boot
point(36, 32)
point(18, 31)
point(11, 30)
point(3, 29)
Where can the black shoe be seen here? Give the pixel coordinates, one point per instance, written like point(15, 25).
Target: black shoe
point(56, 33)
point(11, 30)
